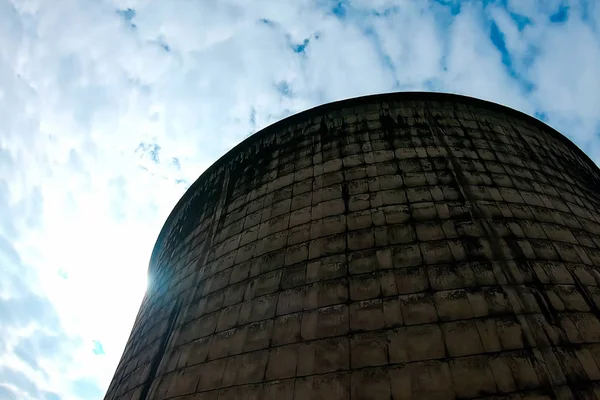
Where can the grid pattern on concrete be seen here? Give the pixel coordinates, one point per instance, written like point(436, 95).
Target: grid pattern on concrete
point(405, 249)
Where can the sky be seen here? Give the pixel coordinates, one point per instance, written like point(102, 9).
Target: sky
point(110, 109)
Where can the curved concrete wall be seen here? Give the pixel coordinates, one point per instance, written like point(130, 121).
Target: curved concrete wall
point(404, 246)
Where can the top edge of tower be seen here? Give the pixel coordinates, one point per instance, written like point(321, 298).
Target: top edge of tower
point(338, 105)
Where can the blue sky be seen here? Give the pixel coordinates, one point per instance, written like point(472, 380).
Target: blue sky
point(111, 108)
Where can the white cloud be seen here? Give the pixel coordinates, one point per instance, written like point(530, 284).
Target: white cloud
point(84, 83)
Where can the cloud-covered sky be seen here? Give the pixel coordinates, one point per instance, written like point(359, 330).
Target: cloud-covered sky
point(109, 109)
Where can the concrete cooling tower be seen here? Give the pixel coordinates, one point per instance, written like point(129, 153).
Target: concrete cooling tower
point(397, 246)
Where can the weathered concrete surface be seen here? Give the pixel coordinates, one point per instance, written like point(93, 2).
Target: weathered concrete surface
point(403, 246)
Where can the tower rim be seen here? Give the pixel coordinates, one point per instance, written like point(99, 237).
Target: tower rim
point(345, 103)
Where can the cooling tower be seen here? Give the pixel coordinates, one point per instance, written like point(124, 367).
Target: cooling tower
point(397, 246)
